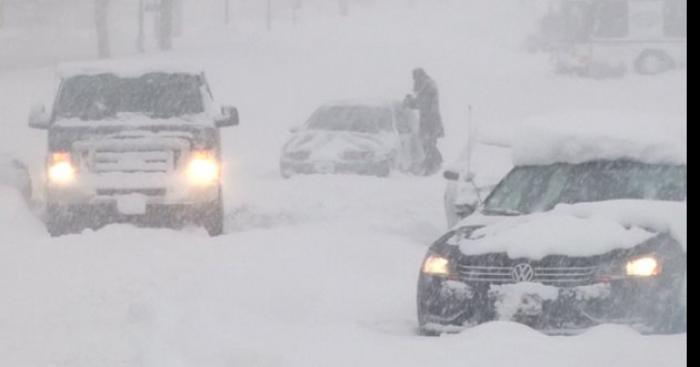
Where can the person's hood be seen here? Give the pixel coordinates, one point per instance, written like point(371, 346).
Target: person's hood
point(330, 144)
point(577, 230)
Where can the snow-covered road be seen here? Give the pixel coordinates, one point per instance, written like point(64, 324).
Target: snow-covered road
point(313, 271)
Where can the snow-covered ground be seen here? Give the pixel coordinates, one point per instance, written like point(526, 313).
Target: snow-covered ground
point(313, 271)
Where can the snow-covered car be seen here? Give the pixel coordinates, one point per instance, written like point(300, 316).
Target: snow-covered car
point(587, 228)
point(14, 174)
point(132, 142)
point(370, 138)
point(471, 179)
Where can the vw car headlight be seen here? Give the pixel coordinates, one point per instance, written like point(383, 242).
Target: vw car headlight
point(643, 267)
point(203, 168)
point(436, 265)
point(61, 170)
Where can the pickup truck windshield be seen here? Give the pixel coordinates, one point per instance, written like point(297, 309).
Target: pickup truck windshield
point(156, 95)
point(530, 189)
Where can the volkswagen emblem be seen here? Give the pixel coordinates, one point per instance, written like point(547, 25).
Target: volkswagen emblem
point(522, 273)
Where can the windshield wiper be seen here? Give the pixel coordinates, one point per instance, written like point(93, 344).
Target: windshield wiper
point(502, 211)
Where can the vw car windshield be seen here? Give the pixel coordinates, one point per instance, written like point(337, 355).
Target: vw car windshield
point(530, 189)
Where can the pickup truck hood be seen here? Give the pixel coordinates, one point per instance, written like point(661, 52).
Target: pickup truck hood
point(578, 230)
point(196, 129)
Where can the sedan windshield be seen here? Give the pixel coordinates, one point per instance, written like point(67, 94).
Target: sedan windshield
point(530, 189)
point(362, 119)
point(158, 95)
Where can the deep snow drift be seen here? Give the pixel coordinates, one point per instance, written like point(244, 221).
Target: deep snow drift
point(314, 271)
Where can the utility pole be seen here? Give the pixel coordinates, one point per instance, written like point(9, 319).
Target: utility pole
point(227, 12)
point(165, 34)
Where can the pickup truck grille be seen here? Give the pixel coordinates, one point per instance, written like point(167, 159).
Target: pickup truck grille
point(106, 161)
point(118, 192)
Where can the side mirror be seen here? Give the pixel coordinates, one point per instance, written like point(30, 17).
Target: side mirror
point(39, 118)
point(451, 175)
point(229, 117)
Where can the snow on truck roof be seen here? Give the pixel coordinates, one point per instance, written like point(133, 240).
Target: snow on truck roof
point(362, 102)
point(125, 68)
point(578, 137)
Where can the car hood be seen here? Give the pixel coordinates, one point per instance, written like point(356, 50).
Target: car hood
point(330, 144)
point(578, 230)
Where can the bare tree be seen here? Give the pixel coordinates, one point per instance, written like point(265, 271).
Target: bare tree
point(102, 26)
point(141, 38)
point(165, 34)
point(344, 7)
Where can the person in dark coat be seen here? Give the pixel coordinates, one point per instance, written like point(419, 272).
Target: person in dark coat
point(426, 100)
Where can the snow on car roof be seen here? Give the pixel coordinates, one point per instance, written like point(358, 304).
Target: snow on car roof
point(583, 136)
point(125, 68)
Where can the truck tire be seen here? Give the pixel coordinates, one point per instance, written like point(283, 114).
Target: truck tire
point(213, 217)
point(60, 221)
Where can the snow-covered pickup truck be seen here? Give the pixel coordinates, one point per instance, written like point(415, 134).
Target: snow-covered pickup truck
point(137, 143)
point(589, 227)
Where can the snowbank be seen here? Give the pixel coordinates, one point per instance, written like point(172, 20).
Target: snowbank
point(581, 136)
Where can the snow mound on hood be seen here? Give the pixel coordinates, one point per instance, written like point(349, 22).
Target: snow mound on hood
point(658, 216)
point(583, 136)
point(539, 235)
point(579, 230)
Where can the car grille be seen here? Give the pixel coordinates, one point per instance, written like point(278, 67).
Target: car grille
point(559, 276)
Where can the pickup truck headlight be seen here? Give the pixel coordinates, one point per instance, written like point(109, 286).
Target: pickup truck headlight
point(646, 266)
point(203, 168)
point(61, 170)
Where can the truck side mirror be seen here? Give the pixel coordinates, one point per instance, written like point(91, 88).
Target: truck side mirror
point(229, 117)
point(39, 118)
